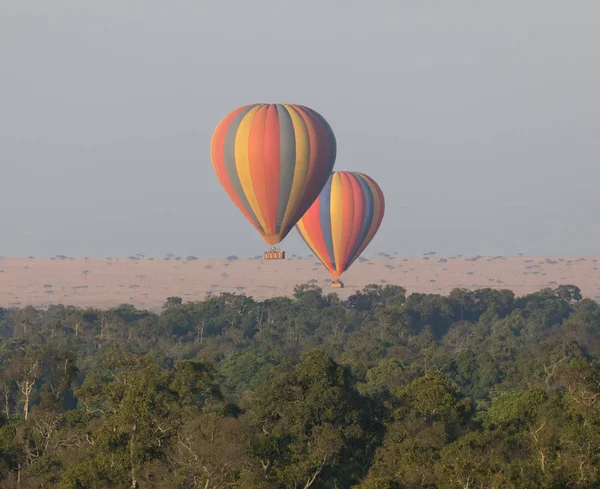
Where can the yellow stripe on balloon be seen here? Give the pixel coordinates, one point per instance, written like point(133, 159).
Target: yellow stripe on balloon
point(242, 162)
point(302, 164)
point(336, 205)
point(311, 245)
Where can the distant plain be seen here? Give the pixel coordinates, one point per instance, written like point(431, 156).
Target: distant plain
point(146, 282)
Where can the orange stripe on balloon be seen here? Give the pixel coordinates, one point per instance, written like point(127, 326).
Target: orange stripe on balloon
point(272, 158)
point(308, 240)
point(256, 162)
point(218, 160)
point(311, 221)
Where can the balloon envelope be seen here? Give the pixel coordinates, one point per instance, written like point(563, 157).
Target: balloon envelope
point(273, 160)
point(343, 220)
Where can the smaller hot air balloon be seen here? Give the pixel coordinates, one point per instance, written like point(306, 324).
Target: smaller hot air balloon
point(343, 220)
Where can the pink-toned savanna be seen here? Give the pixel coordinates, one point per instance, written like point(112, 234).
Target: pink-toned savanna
point(146, 283)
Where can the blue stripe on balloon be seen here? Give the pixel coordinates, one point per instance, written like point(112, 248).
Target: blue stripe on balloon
point(325, 218)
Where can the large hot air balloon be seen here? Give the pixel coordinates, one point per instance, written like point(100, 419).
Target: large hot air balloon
point(343, 220)
point(273, 160)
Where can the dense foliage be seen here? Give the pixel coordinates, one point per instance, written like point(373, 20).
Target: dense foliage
point(480, 389)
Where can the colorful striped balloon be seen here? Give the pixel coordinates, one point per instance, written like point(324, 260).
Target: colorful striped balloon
point(343, 220)
point(273, 160)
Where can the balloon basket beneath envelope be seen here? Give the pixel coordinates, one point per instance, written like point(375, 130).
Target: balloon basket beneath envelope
point(274, 254)
point(337, 284)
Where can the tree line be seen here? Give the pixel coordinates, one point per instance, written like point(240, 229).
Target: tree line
point(384, 390)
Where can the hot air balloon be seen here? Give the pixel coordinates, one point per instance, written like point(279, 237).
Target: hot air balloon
point(343, 220)
point(273, 160)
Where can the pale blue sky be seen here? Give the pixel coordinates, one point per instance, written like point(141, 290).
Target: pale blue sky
point(480, 120)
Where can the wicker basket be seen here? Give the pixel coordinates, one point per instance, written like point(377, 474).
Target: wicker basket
point(274, 255)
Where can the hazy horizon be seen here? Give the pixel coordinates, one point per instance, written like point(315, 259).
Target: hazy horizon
point(479, 121)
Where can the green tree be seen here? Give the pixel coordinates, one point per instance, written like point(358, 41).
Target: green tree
point(312, 429)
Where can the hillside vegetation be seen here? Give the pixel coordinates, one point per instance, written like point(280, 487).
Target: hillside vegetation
point(477, 389)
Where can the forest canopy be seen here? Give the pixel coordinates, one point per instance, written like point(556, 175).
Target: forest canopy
point(384, 390)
